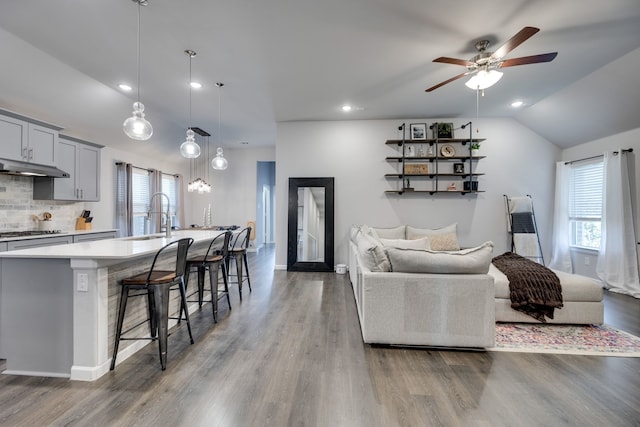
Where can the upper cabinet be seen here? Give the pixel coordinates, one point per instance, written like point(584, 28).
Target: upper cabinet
point(27, 141)
point(81, 160)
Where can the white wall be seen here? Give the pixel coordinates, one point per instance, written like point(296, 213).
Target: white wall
point(353, 152)
point(584, 262)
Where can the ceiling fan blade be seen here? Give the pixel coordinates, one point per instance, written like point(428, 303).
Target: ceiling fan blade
point(454, 61)
point(459, 76)
point(514, 42)
point(545, 57)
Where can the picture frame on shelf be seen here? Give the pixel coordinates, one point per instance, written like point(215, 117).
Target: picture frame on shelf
point(418, 131)
point(445, 130)
point(458, 168)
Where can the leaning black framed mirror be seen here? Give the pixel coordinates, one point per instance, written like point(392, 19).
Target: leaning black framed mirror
point(310, 224)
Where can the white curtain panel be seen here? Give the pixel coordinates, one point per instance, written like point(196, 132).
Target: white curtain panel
point(560, 253)
point(617, 263)
point(155, 186)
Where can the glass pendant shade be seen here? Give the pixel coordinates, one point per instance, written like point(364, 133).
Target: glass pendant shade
point(136, 126)
point(219, 162)
point(484, 79)
point(190, 149)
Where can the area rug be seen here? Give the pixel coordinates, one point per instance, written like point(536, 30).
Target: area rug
point(593, 340)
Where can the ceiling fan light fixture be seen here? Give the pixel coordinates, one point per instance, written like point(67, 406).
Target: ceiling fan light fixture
point(484, 79)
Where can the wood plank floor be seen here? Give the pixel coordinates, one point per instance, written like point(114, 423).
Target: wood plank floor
point(291, 354)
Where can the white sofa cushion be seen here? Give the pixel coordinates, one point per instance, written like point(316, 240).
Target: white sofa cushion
point(423, 243)
point(371, 253)
point(398, 232)
point(467, 261)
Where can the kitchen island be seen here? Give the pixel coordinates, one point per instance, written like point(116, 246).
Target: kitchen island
point(58, 303)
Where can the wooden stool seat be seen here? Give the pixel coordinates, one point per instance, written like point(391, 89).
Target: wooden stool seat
point(156, 277)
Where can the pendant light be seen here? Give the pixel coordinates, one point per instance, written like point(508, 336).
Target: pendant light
point(136, 126)
point(190, 149)
point(219, 162)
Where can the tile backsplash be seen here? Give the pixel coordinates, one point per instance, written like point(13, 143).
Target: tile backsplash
point(17, 206)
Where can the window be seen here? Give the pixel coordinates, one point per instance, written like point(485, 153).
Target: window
point(170, 188)
point(585, 203)
point(140, 187)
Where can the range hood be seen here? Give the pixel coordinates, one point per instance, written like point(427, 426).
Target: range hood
point(15, 167)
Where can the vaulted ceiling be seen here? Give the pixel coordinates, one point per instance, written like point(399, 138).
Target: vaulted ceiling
point(286, 60)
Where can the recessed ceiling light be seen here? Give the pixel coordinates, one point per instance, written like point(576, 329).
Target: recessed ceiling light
point(346, 108)
point(125, 87)
point(195, 85)
point(516, 104)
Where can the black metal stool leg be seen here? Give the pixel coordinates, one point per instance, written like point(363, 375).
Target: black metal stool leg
point(183, 295)
point(213, 284)
point(246, 267)
point(239, 273)
point(161, 313)
point(123, 305)
point(225, 275)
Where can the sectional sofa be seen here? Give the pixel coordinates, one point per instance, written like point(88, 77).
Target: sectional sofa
point(415, 286)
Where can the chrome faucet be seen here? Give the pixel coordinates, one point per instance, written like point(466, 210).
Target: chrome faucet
point(168, 221)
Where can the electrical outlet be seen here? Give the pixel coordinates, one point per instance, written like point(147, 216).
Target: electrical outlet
point(83, 282)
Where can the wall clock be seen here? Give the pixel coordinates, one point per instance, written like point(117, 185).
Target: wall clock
point(447, 151)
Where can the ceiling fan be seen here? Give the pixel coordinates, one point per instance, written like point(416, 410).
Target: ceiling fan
point(485, 64)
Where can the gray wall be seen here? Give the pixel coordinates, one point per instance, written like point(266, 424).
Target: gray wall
point(518, 162)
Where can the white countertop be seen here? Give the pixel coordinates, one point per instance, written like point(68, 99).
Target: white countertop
point(110, 249)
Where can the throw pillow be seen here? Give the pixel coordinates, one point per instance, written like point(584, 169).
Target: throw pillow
point(467, 261)
point(407, 244)
point(372, 254)
point(444, 242)
point(390, 233)
point(416, 233)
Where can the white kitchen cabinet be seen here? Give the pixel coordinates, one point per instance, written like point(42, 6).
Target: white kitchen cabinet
point(81, 160)
point(26, 141)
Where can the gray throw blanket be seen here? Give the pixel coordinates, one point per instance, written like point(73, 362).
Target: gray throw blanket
point(534, 289)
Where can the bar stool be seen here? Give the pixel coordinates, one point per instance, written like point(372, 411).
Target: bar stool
point(238, 253)
point(155, 285)
point(211, 261)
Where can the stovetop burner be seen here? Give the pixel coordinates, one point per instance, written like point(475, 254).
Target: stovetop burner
point(5, 234)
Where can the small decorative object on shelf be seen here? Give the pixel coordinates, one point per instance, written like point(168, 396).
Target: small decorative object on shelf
point(445, 130)
point(470, 186)
point(430, 151)
point(409, 151)
point(421, 151)
point(418, 131)
point(407, 186)
point(452, 187)
point(458, 168)
point(416, 169)
point(475, 149)
point(447, 150)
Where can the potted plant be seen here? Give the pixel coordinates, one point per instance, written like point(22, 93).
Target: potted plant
point(475, 147)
